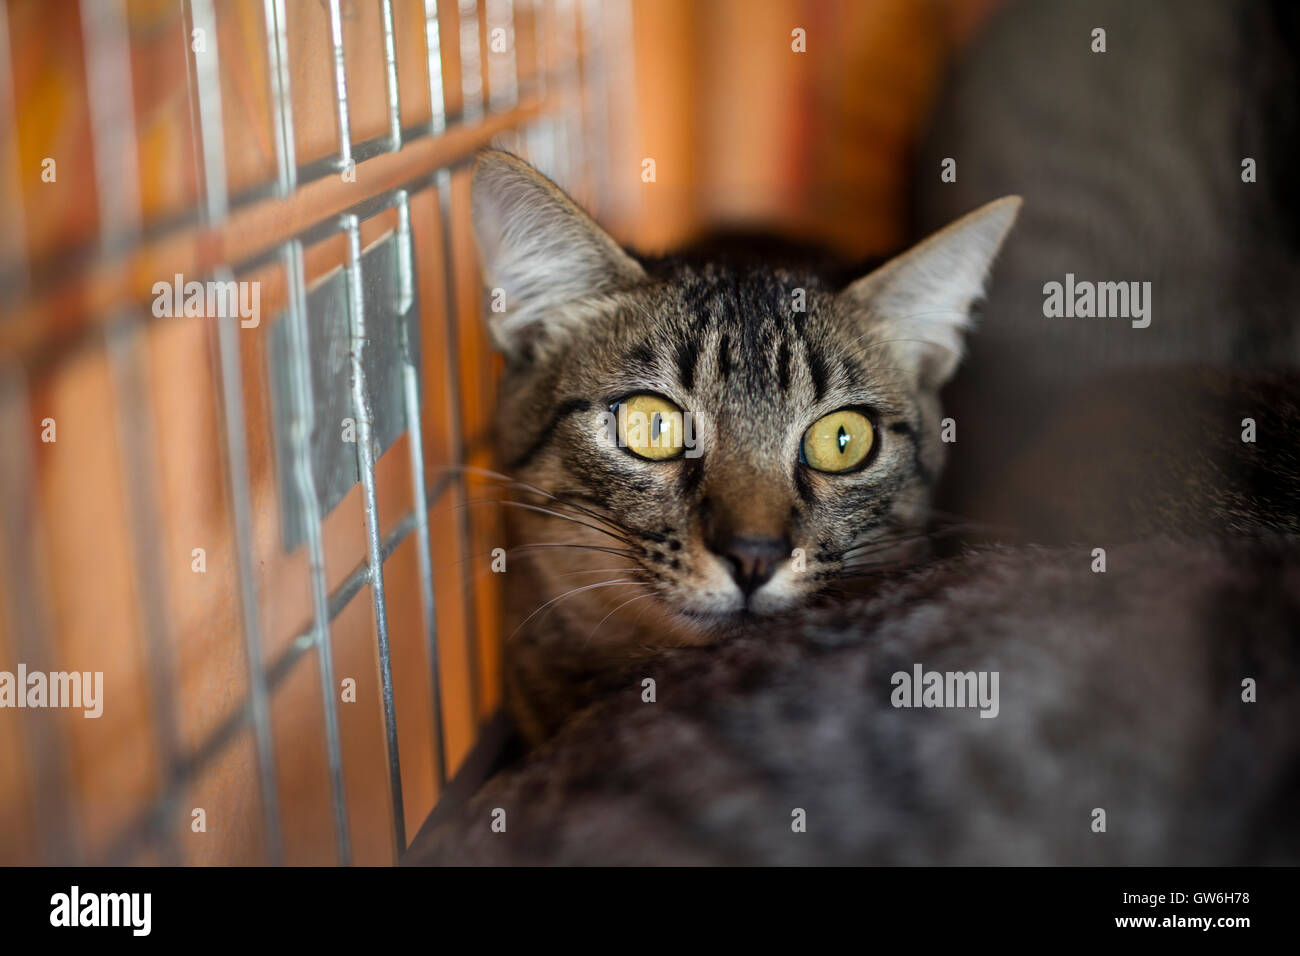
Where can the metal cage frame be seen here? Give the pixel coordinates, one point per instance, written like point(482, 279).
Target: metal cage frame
point(554, 141)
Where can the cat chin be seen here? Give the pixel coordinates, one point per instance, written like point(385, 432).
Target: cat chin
point(759, 607)
point(721, 602)
point(712, 627)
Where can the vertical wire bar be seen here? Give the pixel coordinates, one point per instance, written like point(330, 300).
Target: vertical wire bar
point(277, 63)
point(374, 541)
point(503, 67)
point(137, 434)
point(340, 86)
point(411, 374)
point(303, 425)
point(390, 64)
point(455, 426)
point(622, 129)
point(438, 123)
point(541, 46)
point(442, 183)
point(433, 44)
point(207, 80)
point(112, 118)
point(232, 396)
point(541, 133)
point(22, 560)
point(595, 112)
point(570, 148)
point(471, 62)
point(471, 76)
point(109, 94)
point(14, 235)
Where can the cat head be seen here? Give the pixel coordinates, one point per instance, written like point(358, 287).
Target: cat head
point(734, 439)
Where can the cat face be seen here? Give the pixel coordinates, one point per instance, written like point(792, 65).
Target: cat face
point(733, 439)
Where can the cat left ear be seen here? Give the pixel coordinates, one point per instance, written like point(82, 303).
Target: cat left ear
point(920, 302)
point(540, 251)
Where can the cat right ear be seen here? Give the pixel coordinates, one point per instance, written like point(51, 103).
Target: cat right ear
point(542, 256)
point(920, 301)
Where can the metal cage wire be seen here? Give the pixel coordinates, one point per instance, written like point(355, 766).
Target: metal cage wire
point(553, 140)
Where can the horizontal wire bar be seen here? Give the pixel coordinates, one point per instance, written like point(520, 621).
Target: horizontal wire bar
point(61, 267)
point(89, 337)
point(67, 264)
point(368, 208)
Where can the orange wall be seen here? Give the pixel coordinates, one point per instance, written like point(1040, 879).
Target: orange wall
point(816, 143)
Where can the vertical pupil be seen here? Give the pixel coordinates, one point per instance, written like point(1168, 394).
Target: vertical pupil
point(656, 426)
point(843, 439)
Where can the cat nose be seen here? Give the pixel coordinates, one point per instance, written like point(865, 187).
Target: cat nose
point(753, 561)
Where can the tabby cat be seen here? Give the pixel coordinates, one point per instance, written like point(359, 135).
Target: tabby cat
point(811, 415)
point(716, 696)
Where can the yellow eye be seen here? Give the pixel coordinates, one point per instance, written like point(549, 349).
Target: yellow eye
point(650, 426)
point(837, 442)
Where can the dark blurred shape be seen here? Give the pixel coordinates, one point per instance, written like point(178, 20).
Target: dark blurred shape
point(1131, 165)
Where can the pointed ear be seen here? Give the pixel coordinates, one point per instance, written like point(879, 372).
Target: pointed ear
point(920, 302)
point(538, 248)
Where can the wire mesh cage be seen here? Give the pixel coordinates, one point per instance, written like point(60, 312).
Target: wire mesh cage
point(243, 383)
